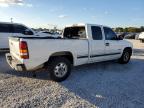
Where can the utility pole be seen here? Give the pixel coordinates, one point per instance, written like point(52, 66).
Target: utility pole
point(11, 20)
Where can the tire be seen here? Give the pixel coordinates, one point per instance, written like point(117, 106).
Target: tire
point(125, 58)
point(59, 69)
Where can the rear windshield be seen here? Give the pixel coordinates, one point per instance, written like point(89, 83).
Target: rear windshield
point(75, 33)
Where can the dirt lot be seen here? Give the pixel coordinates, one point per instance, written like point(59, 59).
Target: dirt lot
point(101, 85)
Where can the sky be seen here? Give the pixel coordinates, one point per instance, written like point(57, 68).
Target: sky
point(48, 13)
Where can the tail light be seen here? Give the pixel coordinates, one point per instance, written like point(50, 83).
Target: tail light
point(24, 53)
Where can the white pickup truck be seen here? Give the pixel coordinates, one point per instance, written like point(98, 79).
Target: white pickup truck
point(80, 44)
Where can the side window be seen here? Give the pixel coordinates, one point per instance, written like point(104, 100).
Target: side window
point(96, 33)
point(109, 34)
point(21, 29)
point(5, 28)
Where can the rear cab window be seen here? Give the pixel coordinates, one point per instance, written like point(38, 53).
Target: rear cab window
point(75, 32)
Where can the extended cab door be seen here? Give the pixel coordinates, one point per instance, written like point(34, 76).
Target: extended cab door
point(97, 44)
point(5, 32)
point(113, 46)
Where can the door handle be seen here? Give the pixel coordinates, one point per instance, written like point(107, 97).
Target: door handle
point(107, 44)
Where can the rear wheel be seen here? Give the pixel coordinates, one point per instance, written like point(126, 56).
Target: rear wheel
point(125, 58)
point(59, 68)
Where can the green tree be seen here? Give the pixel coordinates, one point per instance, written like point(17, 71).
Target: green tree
point(119, 29)
point(125, 30)
point(133, 29)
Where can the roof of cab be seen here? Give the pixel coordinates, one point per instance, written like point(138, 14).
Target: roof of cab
point(76, 25)
point(84, 24)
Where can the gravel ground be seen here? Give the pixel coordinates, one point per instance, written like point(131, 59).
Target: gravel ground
point(101, 85)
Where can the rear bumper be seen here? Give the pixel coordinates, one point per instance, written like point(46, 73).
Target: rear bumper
point(14, 63)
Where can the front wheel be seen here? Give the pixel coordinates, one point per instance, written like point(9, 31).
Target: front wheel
point(125, 58)
point(59, 68)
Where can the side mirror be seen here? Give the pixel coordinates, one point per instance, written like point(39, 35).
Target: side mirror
point(119, 38)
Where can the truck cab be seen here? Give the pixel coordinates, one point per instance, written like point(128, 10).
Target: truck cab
point(103, 42)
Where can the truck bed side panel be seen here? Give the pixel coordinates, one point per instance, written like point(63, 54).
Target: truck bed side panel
point(41, 50)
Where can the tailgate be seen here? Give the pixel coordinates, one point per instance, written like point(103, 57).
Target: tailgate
point(14, 47)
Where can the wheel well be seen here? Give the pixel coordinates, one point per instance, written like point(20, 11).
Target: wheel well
point(67, 55)
point(129, 49)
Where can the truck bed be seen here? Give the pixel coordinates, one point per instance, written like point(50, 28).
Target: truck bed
point(41, 48)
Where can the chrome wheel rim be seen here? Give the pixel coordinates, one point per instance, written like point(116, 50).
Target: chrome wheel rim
point(126, 56)
point(60, 70)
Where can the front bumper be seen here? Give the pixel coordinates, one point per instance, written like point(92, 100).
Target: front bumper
point(15, 64)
